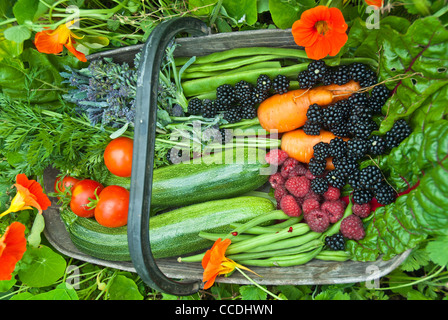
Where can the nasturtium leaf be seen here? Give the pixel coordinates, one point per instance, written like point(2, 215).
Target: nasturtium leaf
point(62, 291)
point(123, 288)
point(252, 293)
point(24, 10)
point(244, 12)
point(44, 268)
point(17, 33)
point(285, 13)
point(201, 7)
point(37, 228)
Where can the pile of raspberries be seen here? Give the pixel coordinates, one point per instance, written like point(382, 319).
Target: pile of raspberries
point(294, 195)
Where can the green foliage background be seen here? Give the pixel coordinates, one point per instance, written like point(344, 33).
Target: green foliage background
point(411, 43)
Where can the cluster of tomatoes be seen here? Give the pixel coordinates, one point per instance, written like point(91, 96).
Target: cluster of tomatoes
point(90, 199)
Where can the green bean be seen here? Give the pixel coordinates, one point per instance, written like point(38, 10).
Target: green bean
point(286, 243)
point(197, 75)
point(214, 236)
point(260, 240)
point(204, 85)
point(273, 215)
point(334, 255)
point(277, 253)
point(293, 260)
point(254, 66)
point(230, 64)
point(336, 226)
point(243, 52)
point(272, 228)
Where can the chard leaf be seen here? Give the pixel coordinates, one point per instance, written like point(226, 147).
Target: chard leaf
point(419, 58)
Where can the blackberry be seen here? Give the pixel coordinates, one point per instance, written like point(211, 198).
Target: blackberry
point(209, 109)
point(369, 79)
point(357, 148)
point(375, 105)
point(319, 185)
point(233, 115)
point(370, 177)
point(305, 80)
point(317, 166)
point(353, 179)
point(363, 129)
point(400, 131)
point(385, 194)
point(317, 70)
point(248, 112)
point(195, 106)
point(338, 147)
point(321, 150)
point(314, 113)
point(342, 75)
point(311, 128)
point(243, 92)
point(332, 115)
point(362, 196)
point(345, 165)
point(328, 77)
point(264, 83)
point(376, 145)
point(335, 242)
point(361, 113)
point(259, 95)
point(225, 93)
point(336, 178)
point(280, 84)
point(358, 71)
point(380, 93)
point(344, 107)
point(341, 129)
point(358, 98)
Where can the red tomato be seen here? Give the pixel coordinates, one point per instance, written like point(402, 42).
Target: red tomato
point(118, 156)
point(112, 207)
point(64, 184)
point(82, 192)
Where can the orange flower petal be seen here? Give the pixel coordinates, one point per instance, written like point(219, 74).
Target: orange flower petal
point(320, 49)
point(337, 22)
point(35, 189)
point(375, 3)
point(12, 248)
point(338, 40)
point(76, 53)
point(303, 35)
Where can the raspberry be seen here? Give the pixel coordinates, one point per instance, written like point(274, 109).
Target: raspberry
point(309, 205)
point(313, 195)
point(334, 210)
point(298, 170)
point(280, 192)
point(298, 186)
point(276, 157)
point(276, 180)
point(318, 220)
point(353, 228)
point(288, 166)
point(332, 194)
point(289, 206)
point(362, 210)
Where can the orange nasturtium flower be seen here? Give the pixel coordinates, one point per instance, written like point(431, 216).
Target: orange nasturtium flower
point(12, 248)
point(29, 195)
point(53, 41)
point(215, 262)
point(375, 3)
point(321, 30)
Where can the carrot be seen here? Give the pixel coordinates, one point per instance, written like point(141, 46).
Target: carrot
point(299, 145)
point(286, 112)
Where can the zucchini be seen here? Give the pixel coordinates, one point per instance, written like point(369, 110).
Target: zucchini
point(172, 233)
point(227, 174)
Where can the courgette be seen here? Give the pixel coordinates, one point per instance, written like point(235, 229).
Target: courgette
point(227, 174)
point(173, 233)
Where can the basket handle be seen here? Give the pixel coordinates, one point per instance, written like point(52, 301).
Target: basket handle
point(143, 155)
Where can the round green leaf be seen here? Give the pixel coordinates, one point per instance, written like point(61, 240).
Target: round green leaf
point(45, 268)
point(17, 34)
point(123, 288)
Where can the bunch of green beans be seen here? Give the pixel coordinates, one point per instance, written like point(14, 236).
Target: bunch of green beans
point(263, 242)
point(208, 72)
